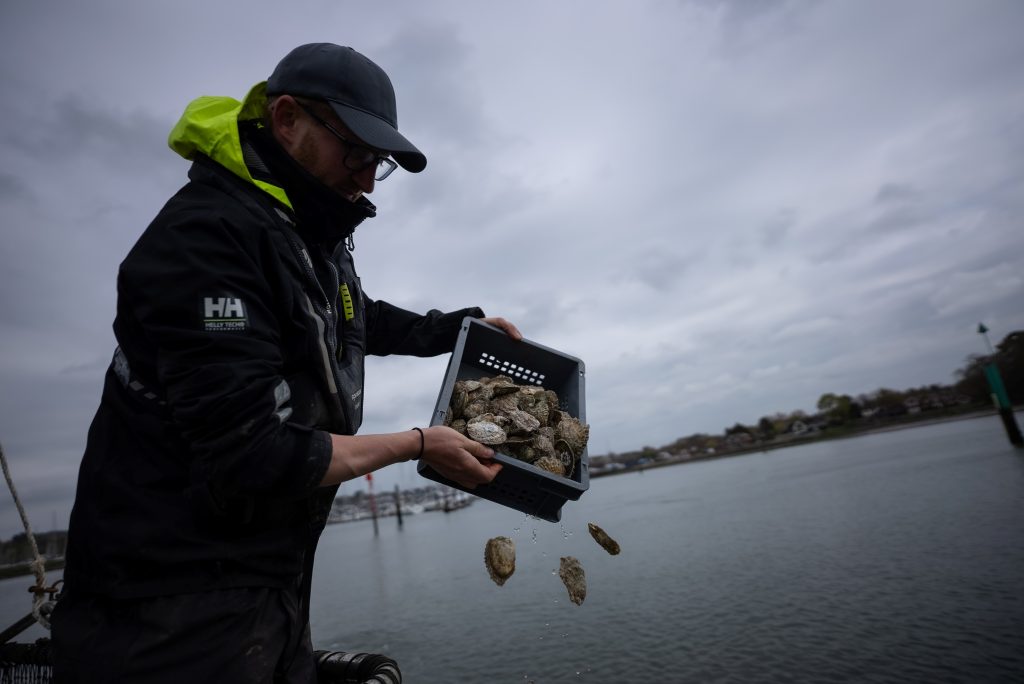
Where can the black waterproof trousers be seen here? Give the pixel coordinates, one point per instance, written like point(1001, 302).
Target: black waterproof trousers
point(248, 635)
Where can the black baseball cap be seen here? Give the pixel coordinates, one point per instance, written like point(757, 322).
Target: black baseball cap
point(358, 90)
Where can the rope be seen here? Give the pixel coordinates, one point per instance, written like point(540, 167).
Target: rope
point(37, 564)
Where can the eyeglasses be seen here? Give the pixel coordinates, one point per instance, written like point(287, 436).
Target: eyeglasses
point(358, 156)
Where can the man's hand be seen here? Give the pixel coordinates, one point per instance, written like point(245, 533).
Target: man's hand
point(510, 329)
point(457, 457)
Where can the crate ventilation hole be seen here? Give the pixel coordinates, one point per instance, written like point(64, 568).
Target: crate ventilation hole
point(511, 369)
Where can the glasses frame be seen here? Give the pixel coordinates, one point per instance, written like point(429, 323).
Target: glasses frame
point(384, 164)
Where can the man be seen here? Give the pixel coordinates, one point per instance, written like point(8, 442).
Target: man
point(229, 413)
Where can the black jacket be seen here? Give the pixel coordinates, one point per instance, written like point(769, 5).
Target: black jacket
point(241, 345)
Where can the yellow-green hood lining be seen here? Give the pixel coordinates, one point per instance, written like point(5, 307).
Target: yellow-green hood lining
point(209, 126)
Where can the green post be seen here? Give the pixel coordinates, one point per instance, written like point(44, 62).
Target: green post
point(999, 396)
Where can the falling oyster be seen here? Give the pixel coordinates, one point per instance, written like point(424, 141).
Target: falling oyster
point(602, 538)
point(571, 572)
point(500, 559)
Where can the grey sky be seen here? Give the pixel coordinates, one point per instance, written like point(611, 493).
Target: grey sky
point(725, 209)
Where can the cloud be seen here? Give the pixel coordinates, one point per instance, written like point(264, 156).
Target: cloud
point(13, 188)
point(725, 209)
point(974, 290)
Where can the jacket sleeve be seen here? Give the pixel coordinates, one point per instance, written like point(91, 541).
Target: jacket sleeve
point(196, 291)
point(392, 330)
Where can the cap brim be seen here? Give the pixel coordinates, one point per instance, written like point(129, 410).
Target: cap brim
point(378, 133)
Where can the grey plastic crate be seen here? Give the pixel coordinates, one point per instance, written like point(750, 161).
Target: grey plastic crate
point(485, 351)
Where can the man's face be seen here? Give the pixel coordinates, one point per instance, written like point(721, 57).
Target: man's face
point(321, 152)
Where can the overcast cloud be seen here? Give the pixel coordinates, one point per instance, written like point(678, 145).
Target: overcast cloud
point(725, 209)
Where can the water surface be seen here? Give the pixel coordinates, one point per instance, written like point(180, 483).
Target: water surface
point(892, 557)
point(897, 556)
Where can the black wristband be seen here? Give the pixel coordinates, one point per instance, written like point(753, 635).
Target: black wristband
point(422, 442)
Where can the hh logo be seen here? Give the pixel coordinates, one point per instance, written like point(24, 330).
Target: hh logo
point(223, 313)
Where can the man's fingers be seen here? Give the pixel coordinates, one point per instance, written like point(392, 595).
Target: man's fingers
point(479, 450)
point(482, 474)
point(510, 329)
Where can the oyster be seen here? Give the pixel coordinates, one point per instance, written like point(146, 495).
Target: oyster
point(472, 410)
point(523, 421)
point(502, 384)
point(500, 559)
point(602, 538)
point(505, 403)
point(573, 433)
point(467, 385)
point(485, 432)
point(552, 464)
point(571, 572)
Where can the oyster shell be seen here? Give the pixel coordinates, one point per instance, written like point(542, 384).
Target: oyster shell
point(542, 446)
point(523, 421)
point(538, 408)
point(468, 385)
point(552, 464)
point(571, 572)
point(506, 403)
point(500, 559)
point(602, 538)
point(473, 409)
point(459, 400)
point(485, 432)
point(573, 432)
point(502, 384)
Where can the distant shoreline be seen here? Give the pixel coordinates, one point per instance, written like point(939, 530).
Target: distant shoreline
point(824, 436)
point(25, 568)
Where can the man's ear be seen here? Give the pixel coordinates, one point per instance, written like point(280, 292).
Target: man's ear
point(285, 116)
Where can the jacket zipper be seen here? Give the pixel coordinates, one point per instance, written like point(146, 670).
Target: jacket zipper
point(330, 328)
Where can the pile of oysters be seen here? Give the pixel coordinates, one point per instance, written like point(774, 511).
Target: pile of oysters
point(522, 421)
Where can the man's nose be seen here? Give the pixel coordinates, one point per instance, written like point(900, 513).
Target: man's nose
point(365, 178)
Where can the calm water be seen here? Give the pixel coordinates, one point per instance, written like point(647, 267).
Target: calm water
point(893, 557)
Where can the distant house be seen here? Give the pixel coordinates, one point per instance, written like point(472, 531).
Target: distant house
point(807, 426)
point(798, 427)
point(818, 423)
point(739, 439)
